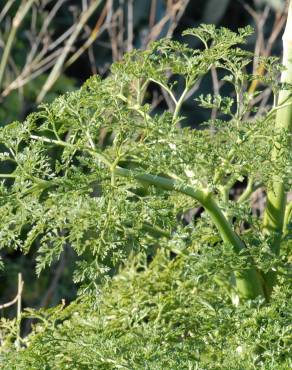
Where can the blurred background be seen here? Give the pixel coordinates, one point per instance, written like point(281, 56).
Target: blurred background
point(49, 47)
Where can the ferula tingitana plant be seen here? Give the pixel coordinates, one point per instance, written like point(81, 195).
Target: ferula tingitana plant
point(98, 170)
point(104, 173)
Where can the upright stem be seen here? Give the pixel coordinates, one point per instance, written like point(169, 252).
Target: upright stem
point(287, 218)
point(19, 291)
point(180, 103)
point(277, 197)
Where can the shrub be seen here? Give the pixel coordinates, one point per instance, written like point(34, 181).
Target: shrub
point(99, 171)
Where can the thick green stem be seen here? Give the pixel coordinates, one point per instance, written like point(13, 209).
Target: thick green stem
point(203, 197)
point(249, 282)
point(276, 197)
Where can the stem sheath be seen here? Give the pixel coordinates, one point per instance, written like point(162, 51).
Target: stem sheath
point(276, 196)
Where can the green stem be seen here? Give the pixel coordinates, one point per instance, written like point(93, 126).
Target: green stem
point(99, 156)
point(249, 282)
point(179, 103)
point(276, 197)
point(166, 88)
point(219, 172)
point(155, 231)
point(203, 197)
point(7, 176)
point(250, 188)
point(287, 218)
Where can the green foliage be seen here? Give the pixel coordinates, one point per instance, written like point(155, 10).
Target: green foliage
point(102, 173)
point(169, 315)
point(65, 189)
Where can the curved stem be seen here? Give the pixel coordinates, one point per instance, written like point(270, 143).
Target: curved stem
point(250, 188)
point(166, 88)
point(249, 281)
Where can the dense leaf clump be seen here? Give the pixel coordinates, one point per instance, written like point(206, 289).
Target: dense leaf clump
point(169, 315)
point(104, 172)
point(64, 185)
